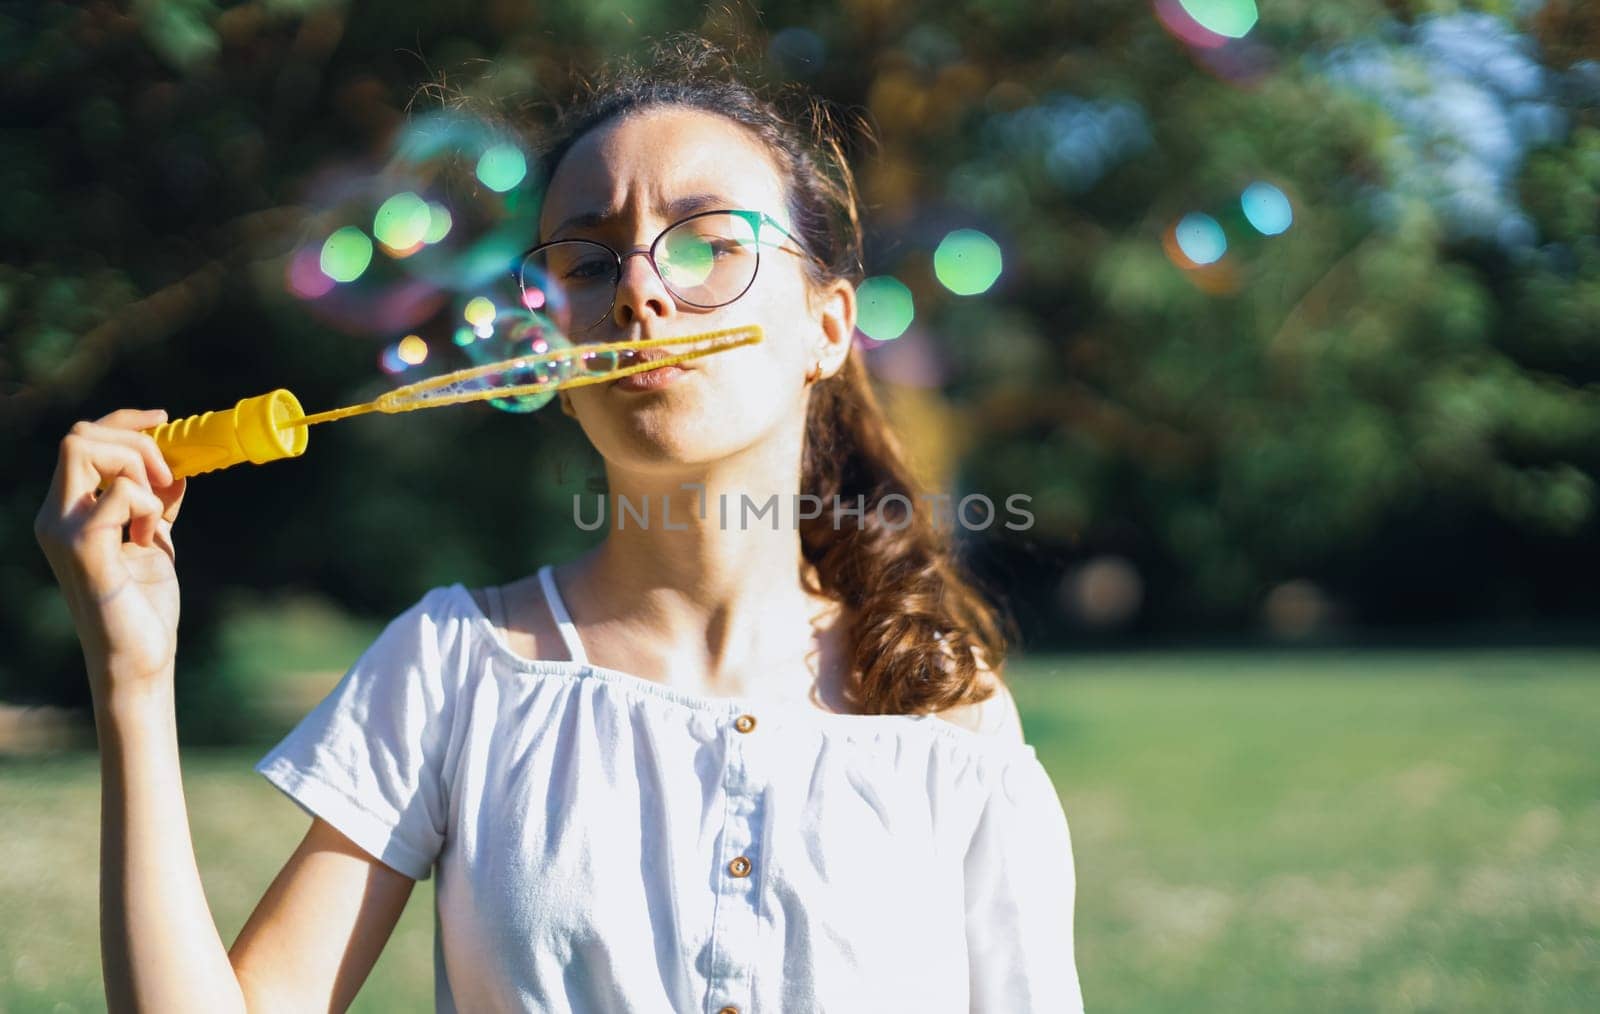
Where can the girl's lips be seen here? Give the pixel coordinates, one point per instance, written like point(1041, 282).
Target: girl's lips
point(650, 380)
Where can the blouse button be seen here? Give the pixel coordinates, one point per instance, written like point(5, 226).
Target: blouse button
point(728, 1010)
point(740, 867)
point(744, 723)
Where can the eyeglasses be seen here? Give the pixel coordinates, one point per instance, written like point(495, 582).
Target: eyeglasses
point(706, 260)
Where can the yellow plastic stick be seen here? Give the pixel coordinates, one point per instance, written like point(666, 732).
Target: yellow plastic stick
point(258, 430)
point(273, 425)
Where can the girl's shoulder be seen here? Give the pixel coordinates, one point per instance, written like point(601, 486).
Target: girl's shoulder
point(997, 716)
point(520, 616)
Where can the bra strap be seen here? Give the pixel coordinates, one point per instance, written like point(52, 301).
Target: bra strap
point(497, 607)
point(558, 610)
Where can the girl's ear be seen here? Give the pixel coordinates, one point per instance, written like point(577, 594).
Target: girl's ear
point(838, 325)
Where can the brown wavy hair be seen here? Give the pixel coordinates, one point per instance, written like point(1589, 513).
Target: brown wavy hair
point(921, 632)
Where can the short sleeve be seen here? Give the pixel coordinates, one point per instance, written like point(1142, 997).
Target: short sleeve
point(1020, 888)
point(368, 759)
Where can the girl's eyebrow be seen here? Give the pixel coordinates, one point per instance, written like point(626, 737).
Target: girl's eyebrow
point(678, 207)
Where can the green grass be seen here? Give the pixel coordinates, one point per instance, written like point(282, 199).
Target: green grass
point(1253, 832)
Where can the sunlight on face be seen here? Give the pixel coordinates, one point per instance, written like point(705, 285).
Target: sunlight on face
point(622, 184)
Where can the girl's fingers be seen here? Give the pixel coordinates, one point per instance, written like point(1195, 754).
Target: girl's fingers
point(156, 466)
point(134, 418)
point(89, 466)
point(172, 499)
point(125, 502)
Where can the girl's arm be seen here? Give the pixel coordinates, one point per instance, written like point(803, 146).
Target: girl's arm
point(315, 935)
point(311, 941)
point(106, 528)
point(159, 948)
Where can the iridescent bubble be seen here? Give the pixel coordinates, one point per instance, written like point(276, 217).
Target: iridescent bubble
point(445, 233)
point(402, 221)
point(1267, 208)
point(967, 262)
point(493, 327)
point(502, 167)
point(512, 333)
point(412, 350)
point(1231, 18)
point(537, 291)
point(346, 254)
point(1200, 238)
point(883, 308)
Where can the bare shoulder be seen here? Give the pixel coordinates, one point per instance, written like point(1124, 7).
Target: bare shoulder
point(996, 716)
point(519, 615)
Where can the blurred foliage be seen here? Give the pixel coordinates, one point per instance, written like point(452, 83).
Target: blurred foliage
point(1388, 399)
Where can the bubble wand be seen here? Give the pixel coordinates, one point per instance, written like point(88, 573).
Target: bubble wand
point(270, 426)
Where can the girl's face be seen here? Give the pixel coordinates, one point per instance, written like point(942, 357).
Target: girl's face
point(622, 184)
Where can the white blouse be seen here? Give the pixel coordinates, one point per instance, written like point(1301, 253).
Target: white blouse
point(606, 843)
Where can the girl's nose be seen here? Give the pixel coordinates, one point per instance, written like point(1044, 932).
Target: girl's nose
point(640, 291)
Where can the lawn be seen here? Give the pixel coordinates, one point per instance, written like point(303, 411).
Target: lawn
point(1254, 832)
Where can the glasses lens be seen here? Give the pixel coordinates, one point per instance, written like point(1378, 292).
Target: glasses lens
point(708, 260)
point(585, 273)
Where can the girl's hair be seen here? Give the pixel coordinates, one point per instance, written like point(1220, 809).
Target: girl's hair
point(918, 624)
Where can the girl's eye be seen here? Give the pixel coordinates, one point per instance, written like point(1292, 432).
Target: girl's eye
point(587, 271)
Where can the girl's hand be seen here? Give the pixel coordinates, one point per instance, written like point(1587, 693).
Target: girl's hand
point(106, 528)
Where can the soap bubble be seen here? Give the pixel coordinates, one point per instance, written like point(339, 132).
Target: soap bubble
point(386, 250)
point(511, 333)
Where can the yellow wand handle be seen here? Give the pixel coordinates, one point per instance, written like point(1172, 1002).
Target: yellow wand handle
point(257, 430)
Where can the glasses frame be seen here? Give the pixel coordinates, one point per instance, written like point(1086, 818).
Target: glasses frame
point(756, 220)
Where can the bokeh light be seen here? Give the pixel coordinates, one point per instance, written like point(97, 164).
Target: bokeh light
point(480, 311)
point(967, 262)
point(346, 254)
point(1177, 20)
point(1266, 208)
point(413, 350)
point(402, 221)
point(305, 275)
point(389, 360)
point(1200, 237)
point(883, 308)
point(1230, 18)
point(502, 167)
point(439, 222)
